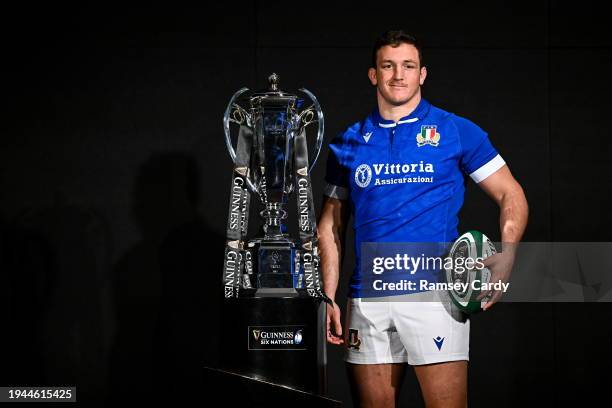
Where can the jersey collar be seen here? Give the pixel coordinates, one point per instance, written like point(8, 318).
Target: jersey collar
point(421, 110)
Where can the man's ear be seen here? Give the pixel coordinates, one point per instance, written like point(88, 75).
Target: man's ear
point(423, 75)
point(372, 76)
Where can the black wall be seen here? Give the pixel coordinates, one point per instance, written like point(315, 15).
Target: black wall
point(114, 178)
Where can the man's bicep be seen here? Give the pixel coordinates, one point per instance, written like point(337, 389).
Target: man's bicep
point(499, 183)
point(334, 215)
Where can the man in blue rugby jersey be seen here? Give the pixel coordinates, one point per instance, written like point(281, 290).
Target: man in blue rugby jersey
point(399, 172)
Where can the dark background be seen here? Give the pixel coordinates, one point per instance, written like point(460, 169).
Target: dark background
point(114, 177)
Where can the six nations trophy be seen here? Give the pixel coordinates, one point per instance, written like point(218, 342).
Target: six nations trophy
point(271, 283)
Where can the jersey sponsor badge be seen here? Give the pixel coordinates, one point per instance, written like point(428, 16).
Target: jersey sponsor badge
point(363, 175)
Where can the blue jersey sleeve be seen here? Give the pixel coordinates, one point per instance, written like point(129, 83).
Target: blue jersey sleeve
point(336, 174)
point(479, 159)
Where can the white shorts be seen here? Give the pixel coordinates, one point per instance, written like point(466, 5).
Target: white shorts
point(397, 330)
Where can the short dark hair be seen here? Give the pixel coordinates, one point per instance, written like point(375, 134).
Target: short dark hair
point(394, 38)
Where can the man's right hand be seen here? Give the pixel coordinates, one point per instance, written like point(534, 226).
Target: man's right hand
point(334, 325)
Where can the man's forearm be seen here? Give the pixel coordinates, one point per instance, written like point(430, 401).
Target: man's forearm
point(330, 247)
point(513, 218)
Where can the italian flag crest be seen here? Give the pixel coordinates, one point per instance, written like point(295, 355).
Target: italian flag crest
point(428, 136)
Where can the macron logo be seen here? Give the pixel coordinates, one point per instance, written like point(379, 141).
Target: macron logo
point(366, 137)
point(439, 340)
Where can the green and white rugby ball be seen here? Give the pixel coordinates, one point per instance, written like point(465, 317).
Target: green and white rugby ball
point(474, 245)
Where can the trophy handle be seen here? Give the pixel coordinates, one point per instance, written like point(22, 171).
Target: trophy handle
point(237, 114)
point(320, 120)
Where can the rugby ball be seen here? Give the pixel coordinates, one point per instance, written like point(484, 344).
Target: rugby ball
point(463, 277)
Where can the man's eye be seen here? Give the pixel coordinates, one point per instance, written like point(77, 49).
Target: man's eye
point(386, 66)
point(409, 66)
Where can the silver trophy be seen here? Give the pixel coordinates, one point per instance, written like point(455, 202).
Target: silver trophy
point(271, 161)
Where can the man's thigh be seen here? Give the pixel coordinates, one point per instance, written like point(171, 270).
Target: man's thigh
point(376, 385)
point(443, 384)
point(370, 335)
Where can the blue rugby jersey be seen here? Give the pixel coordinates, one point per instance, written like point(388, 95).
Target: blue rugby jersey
point(404, 181)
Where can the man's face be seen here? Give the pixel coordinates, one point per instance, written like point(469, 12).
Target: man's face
point(398, 74)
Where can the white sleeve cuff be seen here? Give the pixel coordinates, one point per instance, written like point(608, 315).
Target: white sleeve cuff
point(340, 193)
point(487, 169)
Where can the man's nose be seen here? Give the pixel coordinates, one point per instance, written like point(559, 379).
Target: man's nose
point(398, 73)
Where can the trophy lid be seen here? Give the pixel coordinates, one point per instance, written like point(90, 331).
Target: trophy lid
point(274, 95)
point(273, 79)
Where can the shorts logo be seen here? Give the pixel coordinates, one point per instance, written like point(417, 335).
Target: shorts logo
point(439, 340)
point(363, 175)
point(428, 136)
point(353, 339)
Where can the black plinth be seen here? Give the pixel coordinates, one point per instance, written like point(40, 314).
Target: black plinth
point(277, 340)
